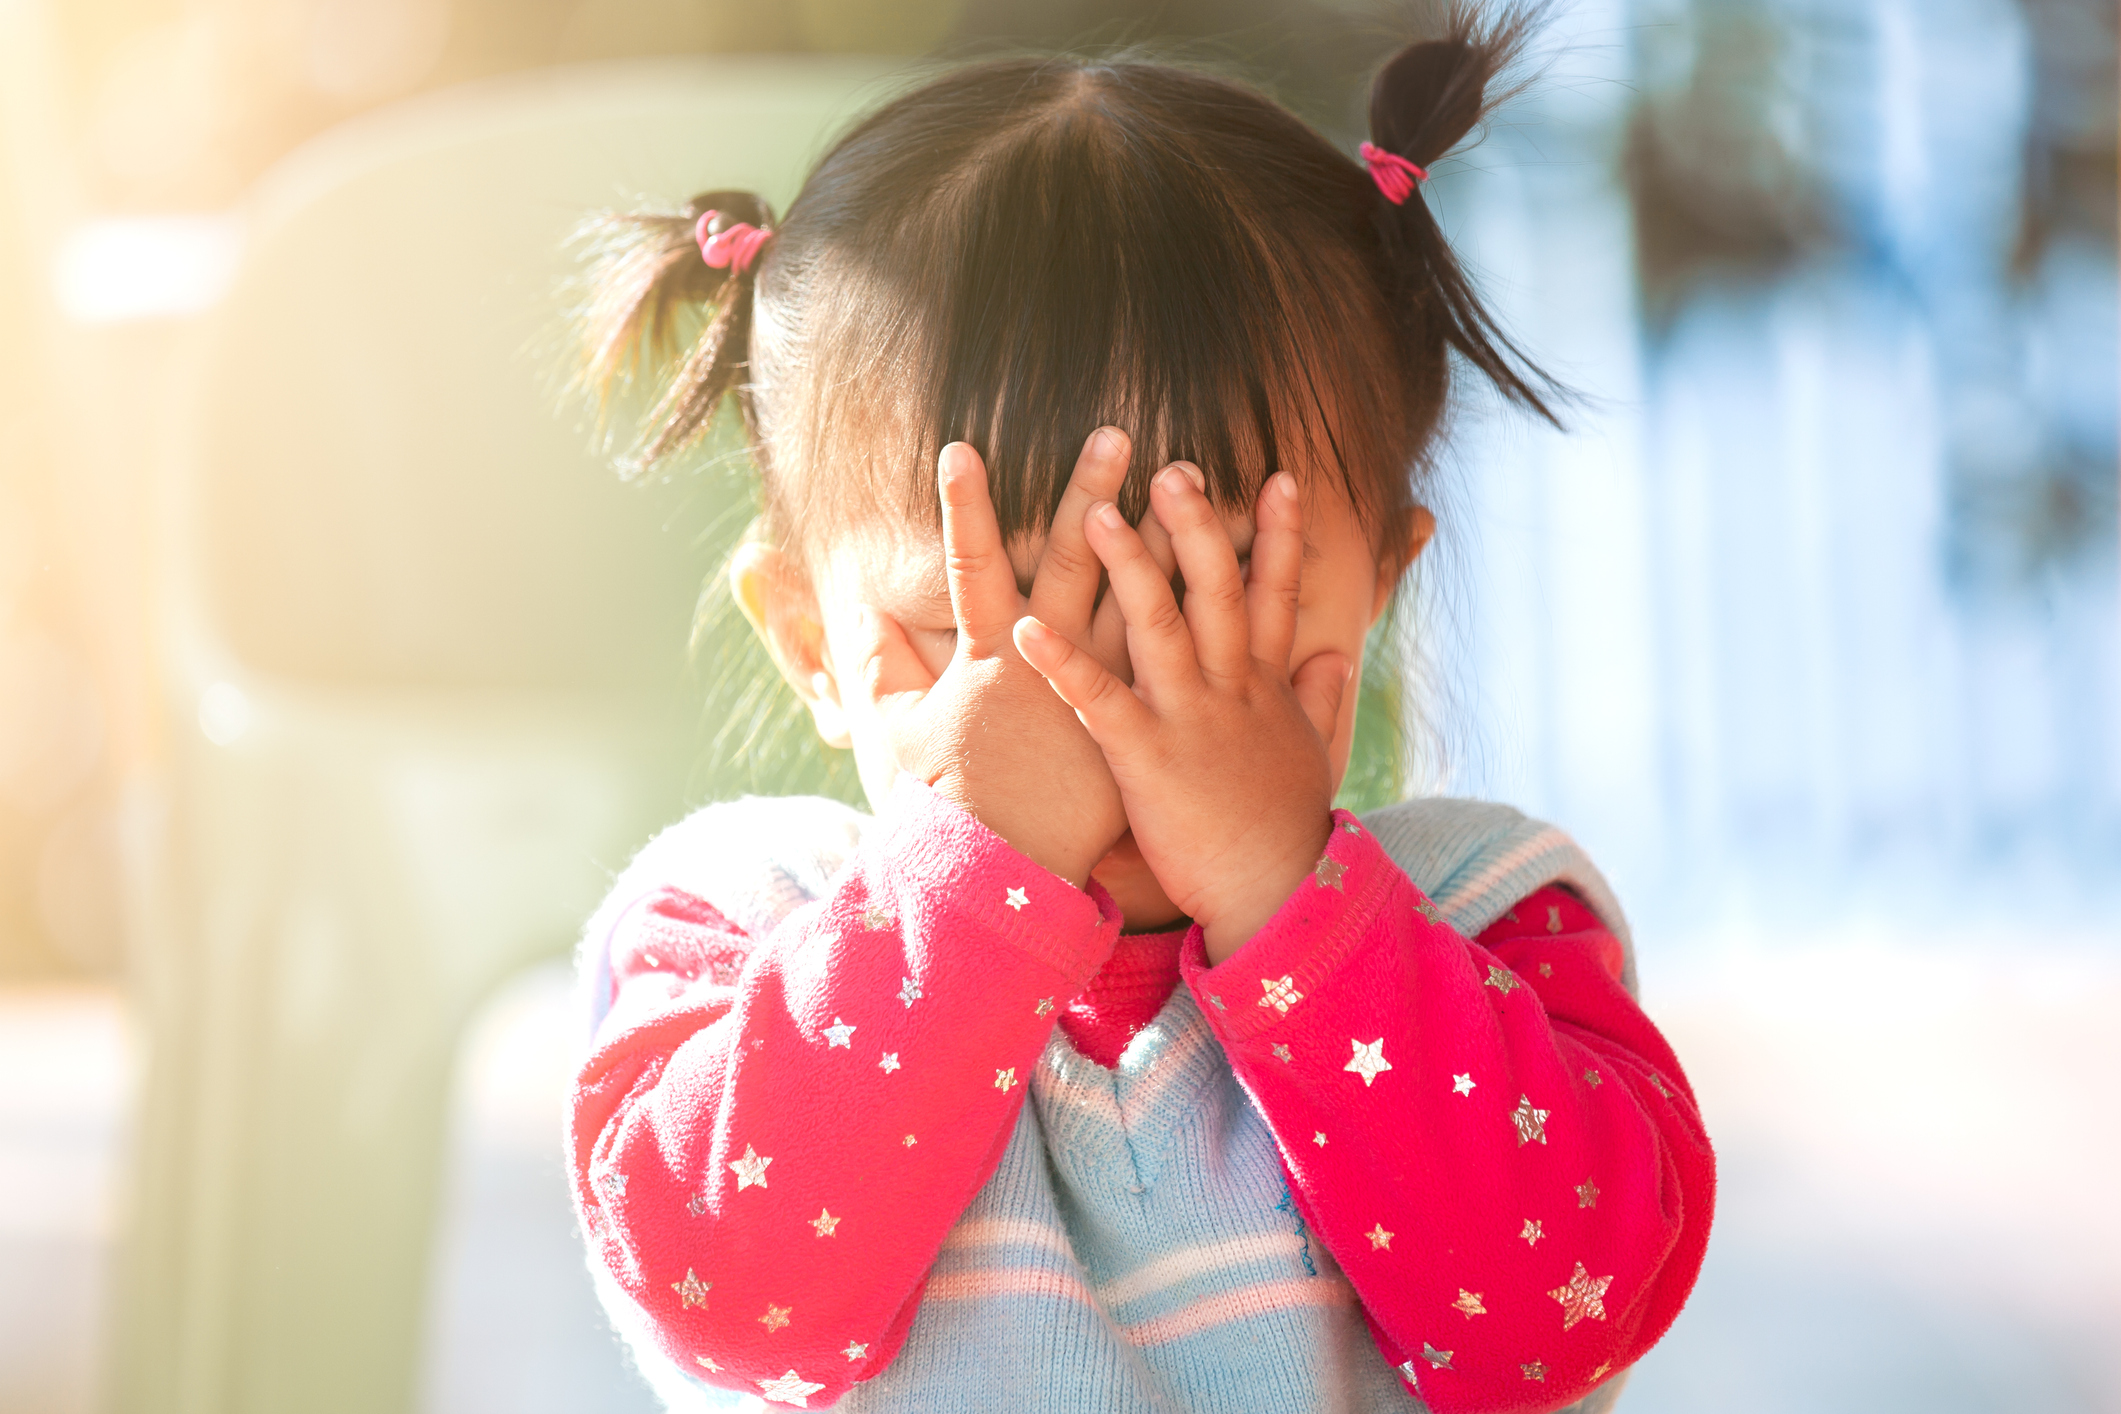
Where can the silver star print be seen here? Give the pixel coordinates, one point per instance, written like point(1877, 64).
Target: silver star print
point(1351, 827)
point(1044, 1007)
point(889, 1062)
point(824, 1222)
point(692, 1291)
point(1406, 1372)
point(790, 1388)
point(1462, 1084)
point(909, 1141)
point(874, 917)
point(1380, 1240)
point(1281, 1053)
point(1587, 1194)
point(1003, 1079)
point(750, 1170)
point(909, 992)
point(616, 1183)
point(705, 1362)
point(1502, 980)
point(1532, 1232)
point(839, 1033)
point(856, 1350)
point(1535, 1371)
point(1546, 969)
point(1369, 1060)
point(1281, 993)
point(1319, 1138)
point(1429, 911)
point(1441, 1359)
point(696, 1204)
point(1593, 1079)
point(1553, 918)
point(775, 1317)
point(1583, 1296)
point(1658, 1081)
point(1017, 899)
point(1531, 1124)
point(1329, 873)
point(1468, 1304)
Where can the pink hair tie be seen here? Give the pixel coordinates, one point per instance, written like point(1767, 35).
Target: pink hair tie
point(1395, 175)
point(732, 249)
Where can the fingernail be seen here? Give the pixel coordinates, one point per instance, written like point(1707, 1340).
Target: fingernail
point(1108, 442)
point(1107, 515)
point(1195, 475)
point(1285, 484)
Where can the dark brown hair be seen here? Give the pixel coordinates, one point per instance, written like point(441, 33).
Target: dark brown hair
point(1023, 250)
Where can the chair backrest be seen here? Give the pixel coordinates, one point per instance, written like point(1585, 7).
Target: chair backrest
point(388, 486)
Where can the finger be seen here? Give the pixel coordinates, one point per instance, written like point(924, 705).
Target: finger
point(1319, 685)
point(1277, 570)
point(1158, 642)
point(983, 595)
point(1108, 638)
point(891, 668)
point(1064, 593)
point(1215, 588)
point(1116, 719)
point(1158, 541)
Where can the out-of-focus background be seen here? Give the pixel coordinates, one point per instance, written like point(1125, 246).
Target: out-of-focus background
point(336, 674)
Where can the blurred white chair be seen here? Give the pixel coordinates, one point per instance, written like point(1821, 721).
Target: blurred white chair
point(425, 668)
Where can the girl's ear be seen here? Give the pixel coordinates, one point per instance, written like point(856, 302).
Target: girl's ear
point(782, 610)
point(1395, 560)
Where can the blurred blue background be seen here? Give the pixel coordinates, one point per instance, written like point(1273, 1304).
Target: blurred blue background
point(1809, 630)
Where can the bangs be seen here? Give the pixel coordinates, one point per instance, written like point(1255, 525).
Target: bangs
point(1090, 260)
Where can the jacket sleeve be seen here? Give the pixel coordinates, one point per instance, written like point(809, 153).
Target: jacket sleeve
point(772, 1135)
point(1491, 1137)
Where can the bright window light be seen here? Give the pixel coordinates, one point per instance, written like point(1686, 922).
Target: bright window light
point(122, 269)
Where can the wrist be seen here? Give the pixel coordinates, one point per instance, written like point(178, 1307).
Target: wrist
point(1028, 832)
point(1228, 923)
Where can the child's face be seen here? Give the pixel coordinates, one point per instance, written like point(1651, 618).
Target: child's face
point(819, 638)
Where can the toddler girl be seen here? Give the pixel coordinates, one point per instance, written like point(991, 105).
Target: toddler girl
point(1107, 1067)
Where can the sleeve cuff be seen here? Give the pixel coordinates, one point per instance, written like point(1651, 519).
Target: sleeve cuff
point(1303, 944)
point(947, 867)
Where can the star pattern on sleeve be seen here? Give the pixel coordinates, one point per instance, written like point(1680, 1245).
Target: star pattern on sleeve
point(705, 1362)
point(790, 1388)
point(1587, 1194)
point(1531, 1123)
point(692, 1291)
point(1537, 1370)
point(775, 1317)
point(1441, 1359)
point(1502, 979)
point(750, 1170)
point(1593, 1079)
point(1583, 1296)
point(1017, 899)
point(1468, 1304)
point(1380, 1240)
point(889, 1063)
point(1044, 1007)
point(1533, 1231)
point(1553, 918)
point(1329, 873)
point(1369, 1060)
point(839, 1033)
point(856, 1350)
point(696, 1204)
point(875, 918)
point(1281, 1053)
point(1003, 1079)
point(1281, 993)
point(824, 1222)
point(1462, 1084)
point(909, 992)
point(1429, 911)
point(908, 1141)
point(1319, 1138)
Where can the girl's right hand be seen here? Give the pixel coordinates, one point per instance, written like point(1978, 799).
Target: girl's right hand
point(987, 733)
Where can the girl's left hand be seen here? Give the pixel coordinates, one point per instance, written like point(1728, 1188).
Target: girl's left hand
point(1219, 750)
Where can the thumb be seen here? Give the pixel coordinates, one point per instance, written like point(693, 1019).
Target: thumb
point(1319, 684)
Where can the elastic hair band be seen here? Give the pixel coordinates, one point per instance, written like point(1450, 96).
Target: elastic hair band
point(1395, 175)
point(733, 249)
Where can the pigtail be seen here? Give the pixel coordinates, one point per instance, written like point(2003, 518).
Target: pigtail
point(1423, 103)
point(649, 275)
